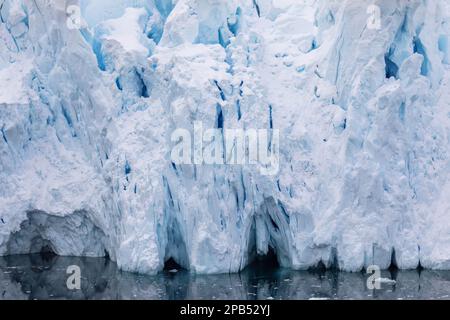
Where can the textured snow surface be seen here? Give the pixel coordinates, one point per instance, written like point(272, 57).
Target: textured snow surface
point(86, 117)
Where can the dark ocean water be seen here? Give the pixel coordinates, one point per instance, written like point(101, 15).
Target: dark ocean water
point(44, 277)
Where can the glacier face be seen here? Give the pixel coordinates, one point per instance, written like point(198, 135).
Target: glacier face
point(88, 107)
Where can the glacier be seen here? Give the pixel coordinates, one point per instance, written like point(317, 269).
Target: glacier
point(89, 99)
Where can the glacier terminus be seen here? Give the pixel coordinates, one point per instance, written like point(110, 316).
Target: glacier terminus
point(91, 92)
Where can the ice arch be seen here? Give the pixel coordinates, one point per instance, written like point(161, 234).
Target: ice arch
point(72, 235)
point(270, 234)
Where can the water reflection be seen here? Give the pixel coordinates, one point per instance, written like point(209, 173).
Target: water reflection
point(44, 277)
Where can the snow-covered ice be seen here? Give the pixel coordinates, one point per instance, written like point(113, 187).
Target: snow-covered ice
point(87, 114)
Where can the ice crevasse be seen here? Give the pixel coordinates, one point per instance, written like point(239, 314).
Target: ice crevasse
point(88, 107)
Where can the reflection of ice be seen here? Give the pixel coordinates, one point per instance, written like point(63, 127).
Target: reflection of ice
point(44, 277)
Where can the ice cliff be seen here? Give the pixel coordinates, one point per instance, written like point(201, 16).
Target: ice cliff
point(88, 107)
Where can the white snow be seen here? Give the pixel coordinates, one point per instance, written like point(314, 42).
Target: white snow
point(13, 80)
point(126, 30)
point(86, 118)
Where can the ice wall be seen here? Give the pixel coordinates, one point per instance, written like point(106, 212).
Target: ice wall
point(87, 114)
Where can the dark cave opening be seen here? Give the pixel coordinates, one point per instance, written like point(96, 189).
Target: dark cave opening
point(393, 269)
point(171, 264)
point(266, 262)
point(47, 253)
point(49, 235)
point(176, 257)
point(269, 259)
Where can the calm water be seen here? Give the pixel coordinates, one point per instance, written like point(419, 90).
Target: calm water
point(39, 277)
